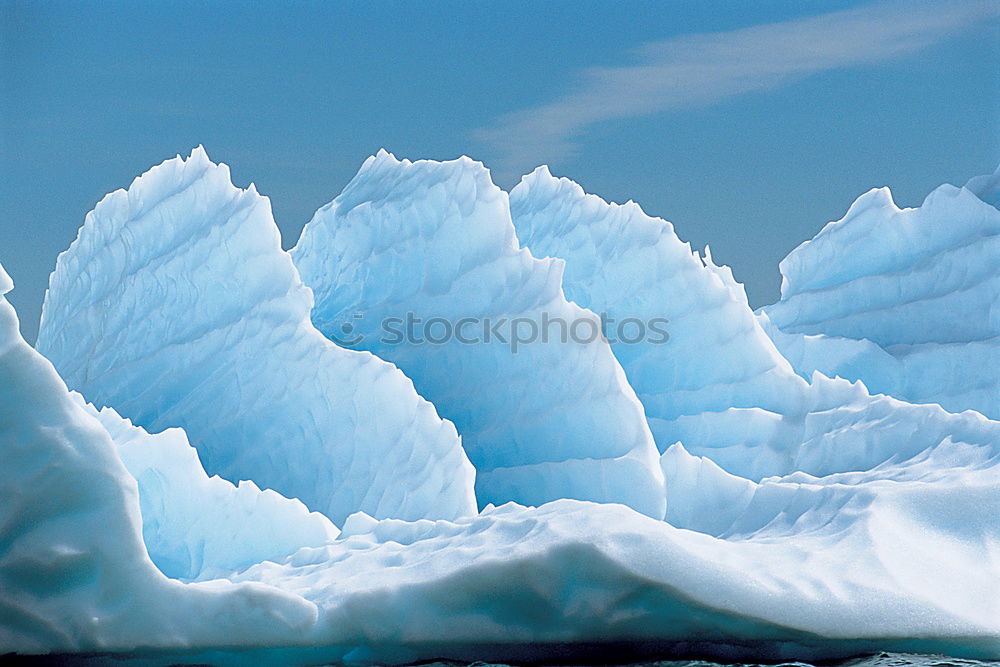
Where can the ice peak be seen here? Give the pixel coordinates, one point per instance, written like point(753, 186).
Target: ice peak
point(541, 185)
point(537, 176)
point(199, 155)
point(466, 178)
point(874, 199)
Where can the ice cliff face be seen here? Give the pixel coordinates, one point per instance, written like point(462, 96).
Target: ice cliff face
point(545, 419)
point(177, 307)
point(906, 300)
point(805, 518)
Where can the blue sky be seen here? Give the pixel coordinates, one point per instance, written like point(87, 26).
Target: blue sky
point(747, 124)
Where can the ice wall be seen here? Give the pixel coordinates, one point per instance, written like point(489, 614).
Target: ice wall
point(177, 307)
point(542, 415)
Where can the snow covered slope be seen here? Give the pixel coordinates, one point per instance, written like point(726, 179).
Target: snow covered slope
point(176, 306)
point(718, 384)
point(541, 418)
point(906, 300)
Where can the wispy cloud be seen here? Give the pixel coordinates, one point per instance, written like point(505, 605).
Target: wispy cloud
point(698, 70)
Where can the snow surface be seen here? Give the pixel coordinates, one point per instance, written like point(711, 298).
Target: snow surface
point(907, 300)
point(805, 517)
point(177, 307)
point(807, 562)
point(547, 420)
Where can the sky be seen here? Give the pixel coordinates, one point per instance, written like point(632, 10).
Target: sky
point(748, 125)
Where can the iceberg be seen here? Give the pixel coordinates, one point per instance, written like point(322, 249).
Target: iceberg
point(177, 307)
point(431, 243)
point(906, 300)
point(784, 571)
point(805, 518)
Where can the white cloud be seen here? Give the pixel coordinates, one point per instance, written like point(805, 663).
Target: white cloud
point(697, 70)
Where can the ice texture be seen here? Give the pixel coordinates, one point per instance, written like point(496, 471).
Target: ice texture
point(548, 419)
point(718, 384)
point(177, 307)
point(200, 527)
point(74, 573)
point(621, 262)
point(906, 300)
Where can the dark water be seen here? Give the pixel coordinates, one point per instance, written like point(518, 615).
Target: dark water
point(880, 660)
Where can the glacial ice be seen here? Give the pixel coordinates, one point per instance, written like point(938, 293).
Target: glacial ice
point(200, 527)
point(907, 300)
point(550, 419)
point(805, 517)
point(718, 385)
point(177, 307)
point(74, 573)
point(621, 262)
